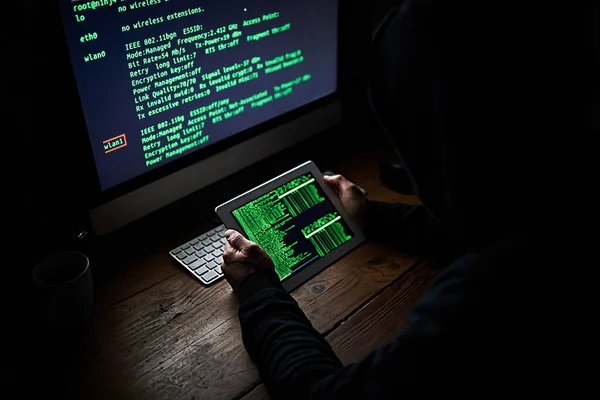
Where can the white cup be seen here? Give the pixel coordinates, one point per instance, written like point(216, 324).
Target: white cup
point(65, 280)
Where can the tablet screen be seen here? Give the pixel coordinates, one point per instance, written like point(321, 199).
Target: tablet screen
point(295, 224)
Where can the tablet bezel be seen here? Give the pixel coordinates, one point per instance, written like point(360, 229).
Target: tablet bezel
point(224, 211)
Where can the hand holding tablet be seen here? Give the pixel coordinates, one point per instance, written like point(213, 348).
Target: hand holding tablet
point(298, 220)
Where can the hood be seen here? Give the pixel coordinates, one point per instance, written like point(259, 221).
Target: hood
point(457, 99)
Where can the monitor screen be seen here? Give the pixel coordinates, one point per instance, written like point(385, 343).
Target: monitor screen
point(161, 79)
point(295, 224)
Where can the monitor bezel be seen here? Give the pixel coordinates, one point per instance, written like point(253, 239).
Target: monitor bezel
point(96, 196)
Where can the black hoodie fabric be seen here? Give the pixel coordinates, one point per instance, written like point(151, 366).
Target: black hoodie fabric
point(456, 91)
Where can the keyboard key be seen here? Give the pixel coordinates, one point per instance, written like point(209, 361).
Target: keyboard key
point(203, 255)
point(197, 264)
point(189, 259)
point(201, 271)
point(200, 253)
point(209, 276)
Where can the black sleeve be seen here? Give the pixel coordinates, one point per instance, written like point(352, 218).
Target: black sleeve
point(413, 227)
point(451, 334)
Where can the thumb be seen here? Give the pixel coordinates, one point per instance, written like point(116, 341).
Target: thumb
point(333, 181)
point(247, 247)
point(235, 239)
point(240, 243)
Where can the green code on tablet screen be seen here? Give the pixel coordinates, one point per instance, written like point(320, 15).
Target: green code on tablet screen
point(295, 224)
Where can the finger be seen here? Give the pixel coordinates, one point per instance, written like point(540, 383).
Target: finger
point(233, 257)
point(340, 180)
point(344, 183)
point(251, 250)
point(253, 255)
point(235, 239)
point(254, 252)
point(230, 254)
point(359, 191)
point(333, 181)
point(349, 186)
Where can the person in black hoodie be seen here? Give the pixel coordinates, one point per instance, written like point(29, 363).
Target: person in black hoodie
point(456, 89)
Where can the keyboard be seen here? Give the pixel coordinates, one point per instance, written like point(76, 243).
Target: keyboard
point(202, 256)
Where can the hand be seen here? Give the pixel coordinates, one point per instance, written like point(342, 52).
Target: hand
point(355, 202)
point(242, 258)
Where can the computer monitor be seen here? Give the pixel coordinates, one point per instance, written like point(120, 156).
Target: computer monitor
point(178, 94)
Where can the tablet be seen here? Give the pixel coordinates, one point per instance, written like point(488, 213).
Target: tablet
point(298, 220)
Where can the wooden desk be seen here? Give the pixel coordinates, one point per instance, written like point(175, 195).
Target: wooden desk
point(157, 333)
